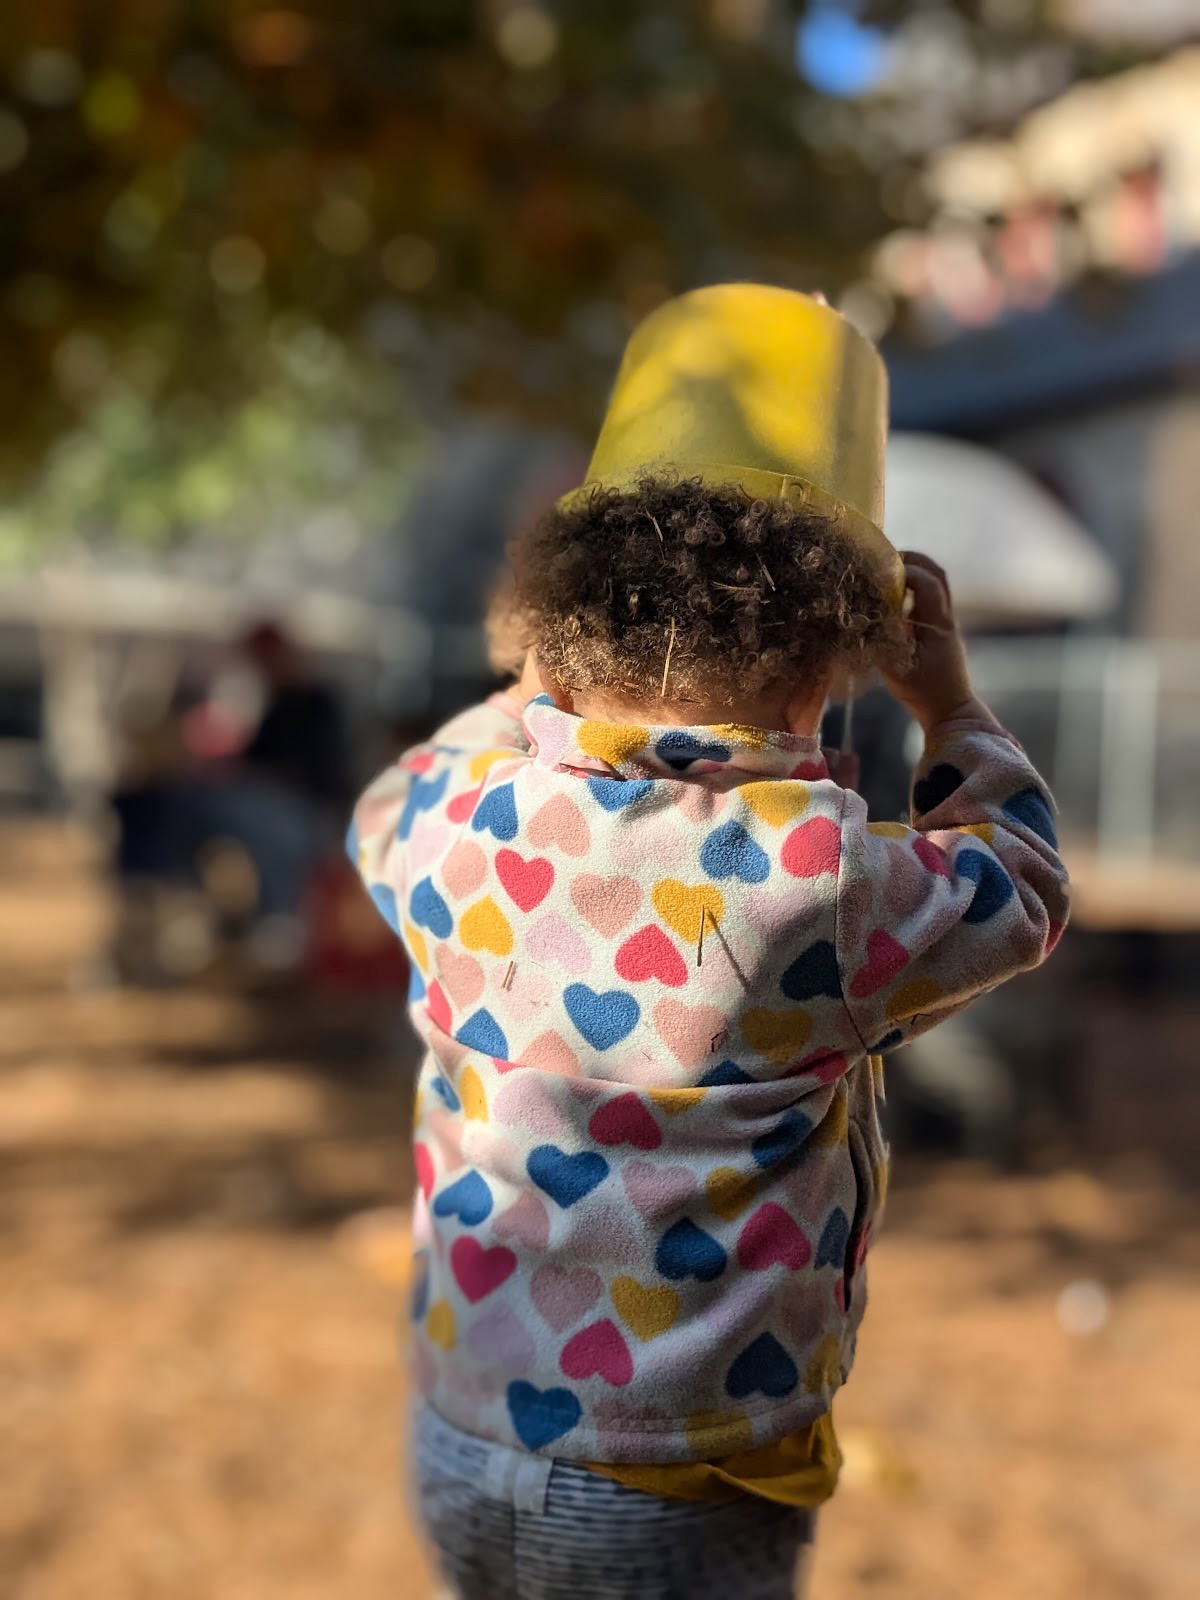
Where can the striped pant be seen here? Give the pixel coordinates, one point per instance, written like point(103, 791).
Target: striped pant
point(510, 1526)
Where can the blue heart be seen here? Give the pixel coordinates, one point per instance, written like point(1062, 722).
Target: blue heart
point(686, 1251)
point(993, 886)
point(726, 1072)
point(730, 852)
point(1032, 808)
point(835, 1240)
point(428, 910)
point(423, 796)
point(385, 901)
point(351, 842)
point(763, 1367)
point(788, 1134)
point(541, 1415)
point(498, 812)
point(679, 749)
point(566, 1179)
point(814, 972)
point(469, 1199)
point(938, 784)
point(482, 1032)
point(445, 1092)
point(603, 1019)
point(419, 1298)
point(888, 1042)
point(614, 794)
point(416, 984)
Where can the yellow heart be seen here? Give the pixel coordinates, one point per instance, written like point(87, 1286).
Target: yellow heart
point(776, 803)
point(681, 907)
point(729, 1192)
point(740, 733)
point(982, 830)
point(481, 765)
point(485, 927)
point(646, 1312)
point(673, 1101)
point(712, 1434)
point(914, 997)
point(470, 1092)
point(824, 1371)
point(832, 1129)
point(439, 1325)
point(613, 742)
point(417, 948)
point(778, 1035)
point(889, 830)
point(880, 1174)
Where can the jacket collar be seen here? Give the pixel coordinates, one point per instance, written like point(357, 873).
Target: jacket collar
point(562, 740)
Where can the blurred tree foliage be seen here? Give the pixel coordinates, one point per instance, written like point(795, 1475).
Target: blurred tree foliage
point(478, 194)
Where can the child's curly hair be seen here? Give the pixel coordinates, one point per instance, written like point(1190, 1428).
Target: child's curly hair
point(677, 590)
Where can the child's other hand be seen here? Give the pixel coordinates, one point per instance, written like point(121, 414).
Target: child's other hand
point(938, 683)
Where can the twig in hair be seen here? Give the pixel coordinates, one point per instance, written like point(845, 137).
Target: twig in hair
point(766, 574)
point(667, 662)
point(700, 940)
point(508, 976)
point(657, 529)
point(737, 588)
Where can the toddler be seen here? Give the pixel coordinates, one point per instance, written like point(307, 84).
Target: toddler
point(657, 953)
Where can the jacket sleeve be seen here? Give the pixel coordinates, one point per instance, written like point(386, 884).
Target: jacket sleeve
point(932, 915)
point(425, 783)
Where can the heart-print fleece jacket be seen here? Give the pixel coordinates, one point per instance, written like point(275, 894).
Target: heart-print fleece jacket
point(654, 969)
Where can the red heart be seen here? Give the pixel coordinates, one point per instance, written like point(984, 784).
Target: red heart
point(598, 1350)
point(650, 954)
point(885, 957)
point(812, 848)
point(625, 1120)
point(424, 1165)
point(526, 882)
point(421, 762)
point(928, 854)
point(772, 1236)
point(462, 807)
point(438, 1007)
point(478, 1271)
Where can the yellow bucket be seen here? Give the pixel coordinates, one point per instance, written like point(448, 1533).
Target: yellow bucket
point(765, 388)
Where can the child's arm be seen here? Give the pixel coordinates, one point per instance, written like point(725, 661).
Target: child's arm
point(933, 915)
point(428, 778)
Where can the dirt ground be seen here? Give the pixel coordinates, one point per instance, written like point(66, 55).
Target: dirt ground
point(202, 1257)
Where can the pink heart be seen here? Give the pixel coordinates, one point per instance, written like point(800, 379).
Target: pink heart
point(606, 1236)
point(885, 958)
point(445, 1130)
point(598, 1351)
point(526, 1221)
point(906, 883)
point(625, 1120)
point(462, 807)
point(657, 1191)
point(423, 1162)
point(524, 995)
point(650, 954)
point(607, 903)
point(553, 939)
point(526, 882)
point(526, 1102)
point(464, 869)
point(501, 1336)
point(427, 842)
point(560, 822)
point(771, 1237)
point(461, 976)
point(689, 1032)
point(550, 1052)
point(812, 848)
point(739, 1307)
point(478, 1272)
point(498, 1157)
point(563, 1294)
point(651, 844)
point(438, 1007)
point(700, 804)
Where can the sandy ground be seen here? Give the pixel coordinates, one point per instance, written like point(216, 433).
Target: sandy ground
point(199, 1391)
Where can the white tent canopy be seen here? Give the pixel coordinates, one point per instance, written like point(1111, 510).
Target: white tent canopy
point(1011, 551)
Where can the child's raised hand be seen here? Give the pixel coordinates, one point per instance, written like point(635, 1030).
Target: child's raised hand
point(937, 685)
